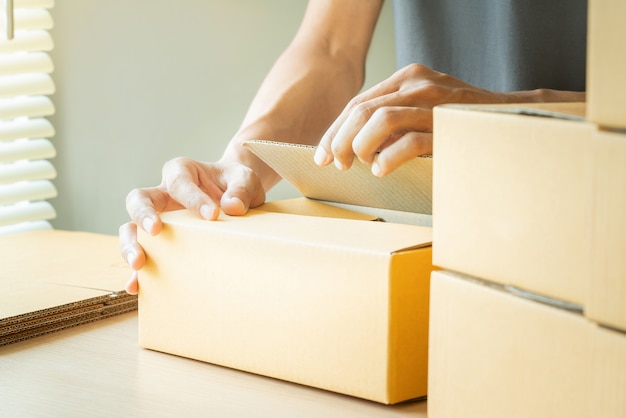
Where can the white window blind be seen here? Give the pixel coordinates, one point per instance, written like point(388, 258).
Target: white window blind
point(25, 148)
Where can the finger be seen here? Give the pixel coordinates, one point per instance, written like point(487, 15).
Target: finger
point(192, 185)
point(407, 147)
point(243, 190)
point(341, 146)
point(129, 247)
point(385, 126)
point(324, 154)
point(132, 286)
point(143, 206)
point(361, 114)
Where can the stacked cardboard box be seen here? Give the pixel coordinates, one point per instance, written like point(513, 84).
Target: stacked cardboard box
point(606, 96)
point(496, 352)
point(529, 215)
point(301, 290)
point(529, 318)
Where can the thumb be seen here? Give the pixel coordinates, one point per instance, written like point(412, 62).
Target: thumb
point(235, 202)
point(241, 194)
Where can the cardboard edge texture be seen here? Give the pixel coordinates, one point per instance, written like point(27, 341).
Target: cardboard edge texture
point(407, 189)
point(56, 279)
point(310, 332)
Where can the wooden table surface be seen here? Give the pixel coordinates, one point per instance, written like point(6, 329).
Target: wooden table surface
point(98, 369)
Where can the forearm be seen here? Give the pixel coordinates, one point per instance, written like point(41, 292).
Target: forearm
point(311, 82)
point(296, 103)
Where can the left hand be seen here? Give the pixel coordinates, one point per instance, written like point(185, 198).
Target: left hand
point(392, 122)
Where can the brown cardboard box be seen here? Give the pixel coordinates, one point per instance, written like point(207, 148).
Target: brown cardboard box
point(495, 354)
point(606, 63)
point(301, 290)
point(333, 303)
point(607, 288)
point(512, 186)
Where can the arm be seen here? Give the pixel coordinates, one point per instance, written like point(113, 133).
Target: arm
point(391, 123)
point(304, 92)
point(311, 82)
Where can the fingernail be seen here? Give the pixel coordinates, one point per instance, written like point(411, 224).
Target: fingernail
point(321, 157)
point(339, 165)
point(131, 257)
point(236, 201)
point(132, 287)
point(209, 212)
point(147, 224)
point(376, 169)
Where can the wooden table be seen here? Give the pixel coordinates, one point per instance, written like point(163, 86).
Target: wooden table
point(98, 369)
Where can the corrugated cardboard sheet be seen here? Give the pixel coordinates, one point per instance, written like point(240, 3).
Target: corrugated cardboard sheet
point(51, 280)
point(407, 189)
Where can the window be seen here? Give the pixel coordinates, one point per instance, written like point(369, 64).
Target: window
point(25, 148)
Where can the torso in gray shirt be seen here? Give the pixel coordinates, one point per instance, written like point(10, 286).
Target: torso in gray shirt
point(500, 45)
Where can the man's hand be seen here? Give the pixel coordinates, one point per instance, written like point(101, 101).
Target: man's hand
point(392, 122)
point(201, 187)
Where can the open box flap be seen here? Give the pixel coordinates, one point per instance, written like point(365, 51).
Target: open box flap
point(350, 234)
point(408, 188)
point(309, 207)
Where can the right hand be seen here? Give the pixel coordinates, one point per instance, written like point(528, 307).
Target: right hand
point(203, 188)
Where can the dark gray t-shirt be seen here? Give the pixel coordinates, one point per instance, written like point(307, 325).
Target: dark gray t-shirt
point(500, 45)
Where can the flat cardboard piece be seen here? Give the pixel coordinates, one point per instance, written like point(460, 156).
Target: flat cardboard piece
point(52, 280)
point(331, 303)
point(407, 189)
point(512, 196)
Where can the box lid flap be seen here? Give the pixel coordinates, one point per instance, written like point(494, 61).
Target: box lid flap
point(353, 235)
point(408, 188)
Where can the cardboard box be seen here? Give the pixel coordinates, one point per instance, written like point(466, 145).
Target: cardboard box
point(304, 290)
point(607, 288)
point(495, 354)
point(606, 63)
point(512, 186)
point(338, 304)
